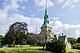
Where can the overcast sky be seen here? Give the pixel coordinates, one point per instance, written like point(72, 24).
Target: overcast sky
point(64, 15)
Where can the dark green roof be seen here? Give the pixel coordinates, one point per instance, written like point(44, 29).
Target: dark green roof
point(46, 21)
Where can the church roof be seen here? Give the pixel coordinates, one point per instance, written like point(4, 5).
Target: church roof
point(46, 21)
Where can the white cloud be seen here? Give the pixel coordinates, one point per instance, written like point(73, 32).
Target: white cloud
point(77, 33)
point(14, 4)
point(75, 1)
point(22, 1)
point(60, 1)
point(35, 22)
point(68, 29)
point(67, 3)
point(32, 22)
point(71, 3)
point(56, 18)
point(59, 27)
point(42, 3)
point(58, 24)
point(6, 19)
point(72, 6)
point(11, 5)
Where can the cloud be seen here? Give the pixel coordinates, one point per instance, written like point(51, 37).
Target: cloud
point(61, 1)
point(33, 22)
point(11, 5)
point(77, 33)
point(71, 3)
point(42, 3)
point(68, 29)
point(9, 14)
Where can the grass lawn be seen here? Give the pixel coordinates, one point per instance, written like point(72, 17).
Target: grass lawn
point(32, 49)
point(72, 51)
point(24, 49)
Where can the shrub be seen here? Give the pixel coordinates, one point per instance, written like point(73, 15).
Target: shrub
point(76, 46)
point(56, 46)
point(78, 40)
point(71, 40)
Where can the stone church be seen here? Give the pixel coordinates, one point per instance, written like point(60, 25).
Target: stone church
point(46, 30)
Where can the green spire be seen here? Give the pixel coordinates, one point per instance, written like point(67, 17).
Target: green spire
point(46, 21)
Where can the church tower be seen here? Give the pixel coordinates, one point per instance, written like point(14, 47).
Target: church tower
point(46, 30)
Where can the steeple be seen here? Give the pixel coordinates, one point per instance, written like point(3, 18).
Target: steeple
point(46, 30)
point(46, 21)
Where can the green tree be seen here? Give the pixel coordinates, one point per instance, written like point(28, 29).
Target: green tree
point(16, 34)
point(71, 40)
point(56, 46)
point(1, 40)
point(76, 46)
point(78, 40)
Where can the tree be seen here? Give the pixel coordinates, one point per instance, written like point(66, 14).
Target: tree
point(1, 40)
point(56, 46)
point(71, 40)
point(76, 46)
point(16, 34)
point(78, 40)
point(32, 39)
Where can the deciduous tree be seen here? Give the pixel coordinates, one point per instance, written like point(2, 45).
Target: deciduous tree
point(16, 34)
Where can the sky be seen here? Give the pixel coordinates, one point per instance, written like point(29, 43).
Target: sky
point(64, 15)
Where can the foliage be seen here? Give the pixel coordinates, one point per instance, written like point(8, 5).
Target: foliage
point(78, 40)
point(41, 40)
point(71, 40)
point(31, 39)
point(76, 46)
point(35, 39)
point(56, 46)
point(16, 34)
point(1, 40)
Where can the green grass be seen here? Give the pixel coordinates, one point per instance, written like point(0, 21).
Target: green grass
point(72, 51)
point(32, 49)
point(24, 49)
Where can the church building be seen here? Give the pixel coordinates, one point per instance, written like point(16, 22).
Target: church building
point(46, 30)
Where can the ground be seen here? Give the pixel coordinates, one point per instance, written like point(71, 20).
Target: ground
point(24, 49)
point(32, 49)
point(72, 51)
